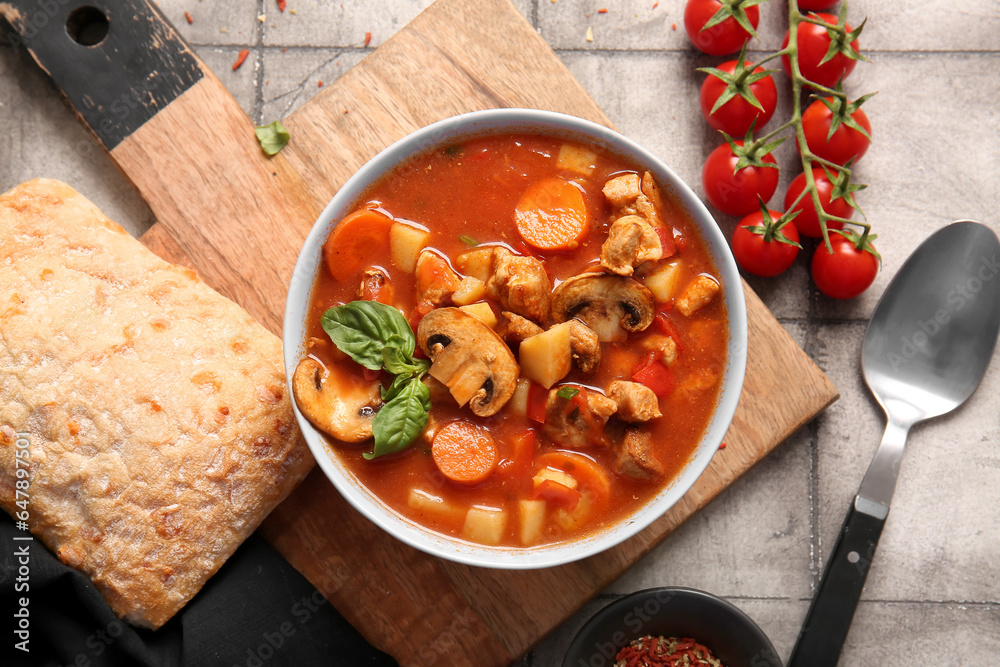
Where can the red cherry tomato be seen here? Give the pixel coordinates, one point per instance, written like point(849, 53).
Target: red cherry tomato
point(807, 222)
point(721, 39)
point(735, 116)
point(846, 142)
point(763, 257)
point(736, 193)
point(814, 41)
point(816, 5)
point(844, 273)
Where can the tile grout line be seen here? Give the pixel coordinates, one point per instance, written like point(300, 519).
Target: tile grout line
point(815, 538)
point(258, 48)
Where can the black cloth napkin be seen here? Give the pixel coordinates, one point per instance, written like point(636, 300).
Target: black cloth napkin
point(257, 611)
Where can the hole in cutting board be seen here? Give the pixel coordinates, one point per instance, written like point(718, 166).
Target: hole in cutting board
point(87, 26)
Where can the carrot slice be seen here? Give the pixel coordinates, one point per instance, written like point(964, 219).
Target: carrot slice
point(349, 243)
point(464, 453)
point(551, 215)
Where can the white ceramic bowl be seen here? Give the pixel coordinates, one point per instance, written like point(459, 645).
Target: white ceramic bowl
point(565, 127)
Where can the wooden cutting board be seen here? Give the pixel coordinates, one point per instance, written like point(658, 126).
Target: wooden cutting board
point(239, 219)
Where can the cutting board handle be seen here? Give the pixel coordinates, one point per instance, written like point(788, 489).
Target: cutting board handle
point(118, 62)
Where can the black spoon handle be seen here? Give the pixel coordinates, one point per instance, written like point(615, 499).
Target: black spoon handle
point(830, 614)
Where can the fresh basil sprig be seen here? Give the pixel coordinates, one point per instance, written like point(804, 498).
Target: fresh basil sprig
point(402, 419)
point(363, 329)
point(377, 336)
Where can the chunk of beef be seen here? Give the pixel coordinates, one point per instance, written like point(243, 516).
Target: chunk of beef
point(636, 402)
point(631, 241)
point(697, 295)
point(570, 425)
point(635, 455)
point(521, 284)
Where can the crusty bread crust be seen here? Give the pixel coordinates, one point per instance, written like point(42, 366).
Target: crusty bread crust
point(161, 432)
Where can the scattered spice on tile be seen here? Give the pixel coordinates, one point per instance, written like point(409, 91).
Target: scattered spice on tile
point(655, 5)
point(673, 26)
point(320, 84)
point(368, 38)
point(282, 4)
point(590, 34)
point(240, 58)
point(187, 17)
point(262, 17)
point(602, 10)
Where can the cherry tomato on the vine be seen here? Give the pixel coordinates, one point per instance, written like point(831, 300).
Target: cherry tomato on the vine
point(735, 116)
point(807, 222)
point(846, 142)
point(737, 193)
point(723, 38)
point(760, 255)
point(814, 42)
point(816, 5)
point(846, 272)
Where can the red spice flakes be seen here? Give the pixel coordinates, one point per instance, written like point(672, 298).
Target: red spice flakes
point(655, 5)
point(320, 85)
point(240, 58)
point(368, 38)
point(602, 10)
point(282, 4)
point(722, 446)
point(652, 651)
point(187, 17)
point(673, 26)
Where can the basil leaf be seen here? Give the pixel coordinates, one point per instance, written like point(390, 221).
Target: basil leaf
point(272, 137)
point(567, 392)
point(402, 419)
point(397, 385)
point(398, 363)
point(362, 329)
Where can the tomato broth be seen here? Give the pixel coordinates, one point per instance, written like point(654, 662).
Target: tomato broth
point(463, 197)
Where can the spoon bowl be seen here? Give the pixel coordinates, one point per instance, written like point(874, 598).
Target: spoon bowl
point(927, 346)
point(926, 350)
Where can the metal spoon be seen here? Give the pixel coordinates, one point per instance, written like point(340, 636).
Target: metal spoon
point(925, 352)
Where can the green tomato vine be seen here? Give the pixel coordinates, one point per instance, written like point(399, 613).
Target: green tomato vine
point(834, 98)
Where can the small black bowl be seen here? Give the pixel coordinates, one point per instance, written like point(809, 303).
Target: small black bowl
point(731, 635)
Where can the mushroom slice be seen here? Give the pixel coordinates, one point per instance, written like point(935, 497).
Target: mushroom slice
point(335, 401)
point(636, 402)
point(469, 358)
point(610, 305)
point(585, 346)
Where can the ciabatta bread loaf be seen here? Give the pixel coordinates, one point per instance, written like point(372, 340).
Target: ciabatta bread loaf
point(158, 429)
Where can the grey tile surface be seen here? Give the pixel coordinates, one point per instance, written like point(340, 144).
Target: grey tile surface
point(763, 542)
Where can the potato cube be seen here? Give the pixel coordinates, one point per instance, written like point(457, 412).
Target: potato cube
point(555, 476)
point(664, 281)
point(405, 244)
point(576, 158)
point(434, 506)
point(546, 357)
point(484, 525)
point(532, 516)
point(477, 262)
point(469, 291)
